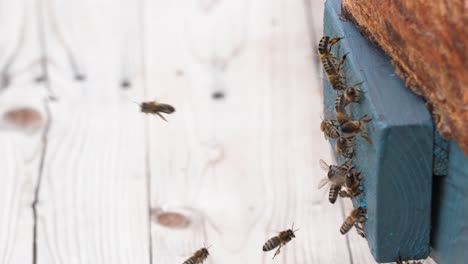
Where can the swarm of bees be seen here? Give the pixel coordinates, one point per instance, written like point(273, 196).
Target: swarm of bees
point(344, 180)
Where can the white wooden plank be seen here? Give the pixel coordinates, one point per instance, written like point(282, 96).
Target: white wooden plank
point(20, 132)
point(246, 166)
point(93, 203)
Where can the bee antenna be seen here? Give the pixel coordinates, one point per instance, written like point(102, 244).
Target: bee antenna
point(296, 230)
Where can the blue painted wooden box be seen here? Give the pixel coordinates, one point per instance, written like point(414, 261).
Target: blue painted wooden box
point(397, 168)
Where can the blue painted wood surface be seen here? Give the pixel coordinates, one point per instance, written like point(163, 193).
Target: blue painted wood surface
point(397, 168)
point(450, 216)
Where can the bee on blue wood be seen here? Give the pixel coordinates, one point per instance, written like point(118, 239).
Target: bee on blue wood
point(352, 94)
point(153, 107)
point(345, 147)
point(336, 176)
point(406, 261)
point(331, 64)
point(280, 240)
point(350, 126)
point(355, 218)
point(330, 129)
point(198, 257)
point(352, 184)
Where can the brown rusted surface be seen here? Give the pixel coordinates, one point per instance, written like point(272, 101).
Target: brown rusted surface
point(23, 118)
point(428, 42)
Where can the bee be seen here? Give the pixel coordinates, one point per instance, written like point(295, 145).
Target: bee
point(344, 146)
point(355, 218)
point(352, 183)
point(153, 107)
point(333, 72)
point(331, 64)
point(326, 43)
point(198, 257)
point(280, 240)
point(350, 126)
point(352, 94)
point(336, 177)
point(329, 129)
point(406, 261)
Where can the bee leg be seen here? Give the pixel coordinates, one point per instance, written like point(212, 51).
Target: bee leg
point(366, 138)
point(342, 61)
point(344, 194)
point(277, 251)
point(159, 114)
point(359, 229)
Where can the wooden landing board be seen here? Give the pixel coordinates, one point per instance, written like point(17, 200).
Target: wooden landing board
point(397, 168)
point(450, 228)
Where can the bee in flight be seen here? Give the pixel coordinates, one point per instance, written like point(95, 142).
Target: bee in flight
point(350, 126)
point(336, 177)
point(198, 257)
point(153, 107)
point(355, 218)
point(280, 240)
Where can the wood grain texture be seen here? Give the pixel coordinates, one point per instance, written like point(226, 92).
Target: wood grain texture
point(244, 167)
point(427, 42)
point(20, 137)
point(450, 210)
point(92, 202)
point(397, 168)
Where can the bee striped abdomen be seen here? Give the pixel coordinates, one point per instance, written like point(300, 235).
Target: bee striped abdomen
point(347, 225)
point(271, 243)
point(190, 261)
point(333, 193)
point(323, 44)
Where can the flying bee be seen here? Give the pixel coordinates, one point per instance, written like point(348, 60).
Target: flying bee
point(355, 218)
point(344, 146)
point(335, 190)
point(198, 257)
point(336, 173)
point(280, 240)
point(329, 129)
point(350, 126)
point(153, 107)
point(336, 177)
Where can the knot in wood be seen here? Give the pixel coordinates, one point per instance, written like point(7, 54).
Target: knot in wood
point(23, 118)
point(170, 219)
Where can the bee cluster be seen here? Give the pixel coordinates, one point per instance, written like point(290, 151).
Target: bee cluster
point(344, 180)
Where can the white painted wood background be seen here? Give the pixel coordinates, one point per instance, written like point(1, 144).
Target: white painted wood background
point(89, 184)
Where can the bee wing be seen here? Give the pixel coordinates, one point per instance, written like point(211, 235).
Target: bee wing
point(323, 182)
point(324, 165)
